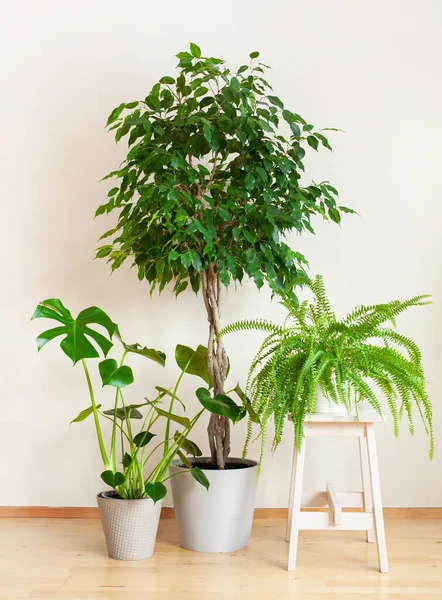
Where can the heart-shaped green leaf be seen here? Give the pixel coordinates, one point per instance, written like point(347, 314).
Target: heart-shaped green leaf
point(143, 438)
point(127, 459)
point(112, 479)
point(84, 414)
point(156, 490)
point(220, 405)
point(76, 343)
point(199, 476)
point(113, 375)
point(193, 362)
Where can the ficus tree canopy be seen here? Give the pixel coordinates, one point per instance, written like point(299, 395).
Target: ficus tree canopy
point(209, 189)
point(212, 176)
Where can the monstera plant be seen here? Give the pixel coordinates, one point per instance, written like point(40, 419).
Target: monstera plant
point(209, 189)
point(82, 341)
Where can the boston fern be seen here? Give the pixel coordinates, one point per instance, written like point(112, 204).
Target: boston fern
point(210, 186)
point(315, 352)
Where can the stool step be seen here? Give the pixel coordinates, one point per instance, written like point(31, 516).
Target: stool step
point(334, 504)
point(351, 521)
point(320, 500)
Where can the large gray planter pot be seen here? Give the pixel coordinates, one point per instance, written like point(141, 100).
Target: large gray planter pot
point(130, 526)
point(220, 519)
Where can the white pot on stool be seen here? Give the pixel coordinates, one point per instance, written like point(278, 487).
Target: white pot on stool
point(324, 406)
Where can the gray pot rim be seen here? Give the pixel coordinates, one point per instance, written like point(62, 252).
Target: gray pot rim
point(105, 496)
point(250, 464)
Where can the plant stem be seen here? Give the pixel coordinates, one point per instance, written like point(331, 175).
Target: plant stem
point(96, 418)
point(175, 390)
point(114, 425)
point(219, 427)
point(114, 434)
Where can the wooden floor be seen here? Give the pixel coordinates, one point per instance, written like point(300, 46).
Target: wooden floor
point(65, 559)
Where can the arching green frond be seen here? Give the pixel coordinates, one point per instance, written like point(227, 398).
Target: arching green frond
point(257, 325)
point(343, 358)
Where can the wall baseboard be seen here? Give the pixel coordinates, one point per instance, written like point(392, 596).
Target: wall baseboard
point(90, 512)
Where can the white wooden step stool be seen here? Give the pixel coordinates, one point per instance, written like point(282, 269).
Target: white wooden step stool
point(371, 520)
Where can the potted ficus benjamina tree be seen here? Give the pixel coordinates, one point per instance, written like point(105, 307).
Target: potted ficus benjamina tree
point(209, 188)
point(130, 510)
point(315, 357)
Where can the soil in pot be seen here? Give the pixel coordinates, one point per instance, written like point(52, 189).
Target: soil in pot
point(208, 466)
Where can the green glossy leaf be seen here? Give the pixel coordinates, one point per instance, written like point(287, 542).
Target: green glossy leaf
point(187, 445)
point(113, 375)
point(123, 413)
point(115, 114)
point(200, 477)
point(104, 251)
point(143, 438)
point(195, 50)
point(207, 130)
point(220, 405)
point(184, 421)
point(334, 215)
point(295, 129)
point(313, 142)
point(193, 361)
point(84, 414)
point(200, 92)
point(164, 392)
point(156, 490)
point(155, 355)
point(249, 180)
point(127, 460)
point(184, 459)
point(235, 84)
point(167, 79)
point(77, 334)
point(246, 403)
point(224, 214)
point(254, 54)
point(112, 479)
point(276, 101)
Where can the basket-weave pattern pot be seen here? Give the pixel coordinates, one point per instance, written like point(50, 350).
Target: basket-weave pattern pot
point(130, 526)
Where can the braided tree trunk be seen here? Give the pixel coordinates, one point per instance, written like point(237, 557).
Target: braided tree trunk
point(219, 427)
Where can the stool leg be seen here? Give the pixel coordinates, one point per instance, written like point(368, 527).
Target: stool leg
point(377, 502)
point(296, 507)
point(290, 503)
point(366, 483)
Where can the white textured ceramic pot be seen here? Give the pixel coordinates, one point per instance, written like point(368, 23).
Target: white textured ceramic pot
point(218, 519)
point(130, 526)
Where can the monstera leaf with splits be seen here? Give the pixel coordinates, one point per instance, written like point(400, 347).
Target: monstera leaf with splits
point(78, 335)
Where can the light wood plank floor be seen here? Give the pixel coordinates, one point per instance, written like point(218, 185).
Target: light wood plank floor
point(65, 559)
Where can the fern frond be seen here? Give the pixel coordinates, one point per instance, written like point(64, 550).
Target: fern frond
point(344, 359)
point(257, 325)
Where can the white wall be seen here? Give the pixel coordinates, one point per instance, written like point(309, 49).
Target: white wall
point(370, 68)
